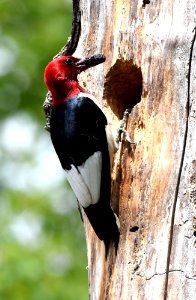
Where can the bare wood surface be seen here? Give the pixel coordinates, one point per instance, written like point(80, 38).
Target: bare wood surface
point(151, 65)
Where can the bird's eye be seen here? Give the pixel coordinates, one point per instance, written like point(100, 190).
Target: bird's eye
point(69, 61)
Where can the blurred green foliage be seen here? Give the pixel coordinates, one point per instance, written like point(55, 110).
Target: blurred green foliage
point(42, 245)
point(31, 33)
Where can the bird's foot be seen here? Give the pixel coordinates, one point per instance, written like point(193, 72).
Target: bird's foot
point(122, 129)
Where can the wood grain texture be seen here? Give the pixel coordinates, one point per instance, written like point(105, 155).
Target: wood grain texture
point(150, 67)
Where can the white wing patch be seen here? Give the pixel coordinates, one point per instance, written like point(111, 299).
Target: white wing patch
point(86, 181)
point(78, 186)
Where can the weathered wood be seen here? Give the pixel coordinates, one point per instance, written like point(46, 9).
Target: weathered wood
point(148, 49)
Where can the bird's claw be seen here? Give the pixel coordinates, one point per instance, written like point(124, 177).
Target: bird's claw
point(121, 128)
point(127, 136)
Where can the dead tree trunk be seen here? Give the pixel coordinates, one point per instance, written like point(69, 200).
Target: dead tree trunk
point(151, 67)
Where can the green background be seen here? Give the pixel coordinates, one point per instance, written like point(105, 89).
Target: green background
point(42, 243)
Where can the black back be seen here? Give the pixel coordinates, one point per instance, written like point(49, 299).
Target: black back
point(77, 130)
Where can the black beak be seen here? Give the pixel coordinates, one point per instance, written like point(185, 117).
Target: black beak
point(88, 62)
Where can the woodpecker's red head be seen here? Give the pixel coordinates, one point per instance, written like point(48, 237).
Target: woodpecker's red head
point(61, 74)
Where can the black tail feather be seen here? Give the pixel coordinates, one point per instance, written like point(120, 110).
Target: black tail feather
point(104, 224)
point(113, 241)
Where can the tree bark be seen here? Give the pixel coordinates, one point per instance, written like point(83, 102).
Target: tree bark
point(151, 68)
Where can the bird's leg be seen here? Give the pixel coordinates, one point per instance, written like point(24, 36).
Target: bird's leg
point(122, 126)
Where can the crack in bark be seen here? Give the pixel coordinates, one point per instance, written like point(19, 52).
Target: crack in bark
point(68, 49)
point(181, 164)
point(163, 273)
point(170, 271)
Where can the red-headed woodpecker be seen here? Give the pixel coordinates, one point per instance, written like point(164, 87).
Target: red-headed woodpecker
point(80, 136)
